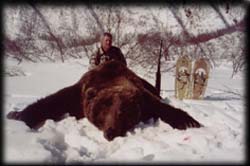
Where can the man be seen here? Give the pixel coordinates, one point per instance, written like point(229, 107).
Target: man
point(106, 52)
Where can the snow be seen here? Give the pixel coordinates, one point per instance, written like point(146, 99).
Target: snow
point(222, 139)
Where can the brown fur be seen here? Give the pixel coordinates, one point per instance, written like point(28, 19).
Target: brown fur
point(111, 97)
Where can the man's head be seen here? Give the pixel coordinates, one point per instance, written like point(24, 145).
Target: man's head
point(106, 41)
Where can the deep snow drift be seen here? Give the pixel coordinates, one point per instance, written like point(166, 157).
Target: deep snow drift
point(222, 112)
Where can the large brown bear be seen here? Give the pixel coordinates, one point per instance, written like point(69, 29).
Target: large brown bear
point(111, 97)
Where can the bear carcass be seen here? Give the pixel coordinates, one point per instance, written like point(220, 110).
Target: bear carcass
point(111, 97)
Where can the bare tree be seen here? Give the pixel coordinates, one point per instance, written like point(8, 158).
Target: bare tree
point(137, 33)
point(23, 46)
point(202, 42)
point(58, 42)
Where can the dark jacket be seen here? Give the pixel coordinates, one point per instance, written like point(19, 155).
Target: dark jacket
point(100, 56)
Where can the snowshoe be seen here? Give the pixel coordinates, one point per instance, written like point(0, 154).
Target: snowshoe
point(200, 78)
point(183, 78)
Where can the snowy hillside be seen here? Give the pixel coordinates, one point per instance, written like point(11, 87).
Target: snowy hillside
point(222, 112)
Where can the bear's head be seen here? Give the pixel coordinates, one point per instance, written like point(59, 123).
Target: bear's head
point(111, 101)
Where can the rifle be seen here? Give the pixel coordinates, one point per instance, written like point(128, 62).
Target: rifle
point(158, 73)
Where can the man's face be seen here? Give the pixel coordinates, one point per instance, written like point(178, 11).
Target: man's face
point(106, 43)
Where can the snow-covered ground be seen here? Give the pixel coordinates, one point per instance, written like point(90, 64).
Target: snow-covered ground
point(222, 112)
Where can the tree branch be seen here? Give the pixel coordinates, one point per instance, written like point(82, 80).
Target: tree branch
point(59, 43)
point(186, 33)
point(201, 38)
point(220, 14)
point(93, 13)
point(205, 37)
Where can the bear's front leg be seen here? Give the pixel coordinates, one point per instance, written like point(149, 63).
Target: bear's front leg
point(29, 120)
point(176, 118)
point(55, 106)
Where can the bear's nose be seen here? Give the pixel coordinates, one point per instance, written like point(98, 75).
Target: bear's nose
point(109, 134)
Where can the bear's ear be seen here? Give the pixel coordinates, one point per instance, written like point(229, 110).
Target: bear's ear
point(90, 93)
